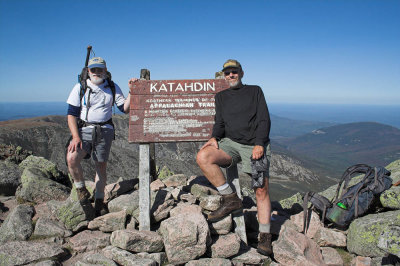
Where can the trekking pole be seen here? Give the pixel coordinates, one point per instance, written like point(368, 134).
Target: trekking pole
point(89, 48)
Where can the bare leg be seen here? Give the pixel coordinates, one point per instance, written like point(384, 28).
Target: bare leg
point(101, 178)
point(210, 159)
point(74, 164)
point(263, 203)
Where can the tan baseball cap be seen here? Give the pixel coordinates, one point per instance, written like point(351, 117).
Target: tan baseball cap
point(231, 63)
point(97, 62)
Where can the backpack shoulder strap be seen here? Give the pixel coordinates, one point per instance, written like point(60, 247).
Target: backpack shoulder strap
point(348, 174)
point(112, 87)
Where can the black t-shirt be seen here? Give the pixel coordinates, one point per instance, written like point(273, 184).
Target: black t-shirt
point(242, 115)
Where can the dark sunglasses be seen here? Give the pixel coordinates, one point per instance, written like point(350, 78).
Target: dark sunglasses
point(234, 72)
point(96, 70)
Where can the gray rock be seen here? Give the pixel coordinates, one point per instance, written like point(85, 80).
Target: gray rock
point(162, 210)
point(185, 237)
point(294, 248)
point(36, 186)
point(391, 198)
point(46, 166)
point(157, 185)
point(137, 241)
point(23, 252)
point(225, 246)
point(124, 257)
point(221, 227)
point(293, 204)
point(114, 190)
point(95, 259)
point(199, 190)
point(160, 257)
point(49, 228)
point(189, 198)
point(331, 256)
point(45, 263)
point(364, 233)
point(389, 240)
point(73, 215)
point(330, 238)
point(89, 240)
point(175, 180)
point(185, 208)
point(209, 262)
point(110, 222)
point(128, 202)
point(10, 178)
point(210, 203)
point(18, 224)
point(251, 257)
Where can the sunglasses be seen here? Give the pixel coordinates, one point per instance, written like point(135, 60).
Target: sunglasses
point(96, 70)
point(234, 72)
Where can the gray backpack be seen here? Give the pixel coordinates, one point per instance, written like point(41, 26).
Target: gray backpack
point(353, 201)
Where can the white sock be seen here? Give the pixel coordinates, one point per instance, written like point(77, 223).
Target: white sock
point(80, 184)
point(264, 228)
point(225, 189)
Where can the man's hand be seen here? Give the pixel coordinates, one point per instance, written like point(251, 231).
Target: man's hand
point(131, 82)
point(211, 142)
point(75, 144)
point(258, 152)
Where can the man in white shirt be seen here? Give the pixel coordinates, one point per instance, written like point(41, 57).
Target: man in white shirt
point(92, 130)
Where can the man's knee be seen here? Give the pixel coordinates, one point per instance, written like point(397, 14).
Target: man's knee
point(73, 159)
point(203, 157)
point(262, 193)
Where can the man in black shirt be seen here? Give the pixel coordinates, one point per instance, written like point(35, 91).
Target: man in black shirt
point(240, 134)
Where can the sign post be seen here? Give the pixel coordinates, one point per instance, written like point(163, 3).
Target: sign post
point(173, 111)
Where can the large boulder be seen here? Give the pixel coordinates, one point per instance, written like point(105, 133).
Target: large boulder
point(209, 262)
point(24, 252)
point(38, 187)
point(18, 224)
point(46, 227)
point(47, 166)
point(225, 246)
point(110, 222)
point(73, 215)
point(251, 257)
point(123, 257)
point(389, 240)
point(294, 248)
point(137, 241)
point(127, 202)
point(364, 233)
point(10, 178)
point(185, 237)
point(391, 198)
point(95, 259)
point(89, 240)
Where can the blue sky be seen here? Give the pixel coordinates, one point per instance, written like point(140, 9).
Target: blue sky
point(297, 51)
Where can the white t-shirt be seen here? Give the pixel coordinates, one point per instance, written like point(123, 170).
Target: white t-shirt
point(101, 99)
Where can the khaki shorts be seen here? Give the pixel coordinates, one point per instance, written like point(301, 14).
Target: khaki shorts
point(242, 153)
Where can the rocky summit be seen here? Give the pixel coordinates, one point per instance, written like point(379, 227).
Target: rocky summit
point(42, 223)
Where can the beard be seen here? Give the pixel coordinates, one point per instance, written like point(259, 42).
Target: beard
point(233, 83)
point(96, 79)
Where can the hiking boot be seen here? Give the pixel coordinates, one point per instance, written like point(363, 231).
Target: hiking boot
point(229, 204)
point(100, 207)
point(264, 244)
point(83, 195)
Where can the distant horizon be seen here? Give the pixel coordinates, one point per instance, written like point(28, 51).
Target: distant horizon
point(268, 102)
point(314, 112)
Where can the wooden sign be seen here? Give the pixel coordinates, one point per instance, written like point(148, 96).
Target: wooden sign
point(173, 110)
